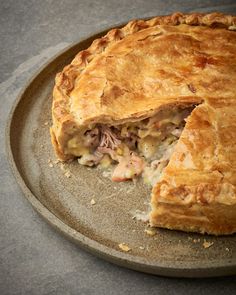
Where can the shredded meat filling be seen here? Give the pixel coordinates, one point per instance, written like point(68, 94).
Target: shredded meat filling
point(108, 138)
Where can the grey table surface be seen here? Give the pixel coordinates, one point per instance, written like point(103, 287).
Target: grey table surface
point(34, 259)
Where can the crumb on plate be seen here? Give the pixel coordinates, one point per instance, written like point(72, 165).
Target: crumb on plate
point(67, 174)
point(207, 244)
point(150, 231)
point(124, 247)
point(92, 202)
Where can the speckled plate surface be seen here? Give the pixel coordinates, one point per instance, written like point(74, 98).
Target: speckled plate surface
point(62, 194)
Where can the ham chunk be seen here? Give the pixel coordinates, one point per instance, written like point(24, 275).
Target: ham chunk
point(128, 168)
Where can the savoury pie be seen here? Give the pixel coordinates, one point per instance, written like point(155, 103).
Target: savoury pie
point(158, 99)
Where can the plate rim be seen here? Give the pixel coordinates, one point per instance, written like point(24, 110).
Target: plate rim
point(112, 255)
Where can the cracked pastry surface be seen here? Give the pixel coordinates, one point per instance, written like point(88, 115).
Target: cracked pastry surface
point(153, 66)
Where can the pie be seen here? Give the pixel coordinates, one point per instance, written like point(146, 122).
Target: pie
point(158, 98)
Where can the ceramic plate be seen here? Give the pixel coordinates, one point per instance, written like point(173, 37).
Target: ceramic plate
point(62, 194)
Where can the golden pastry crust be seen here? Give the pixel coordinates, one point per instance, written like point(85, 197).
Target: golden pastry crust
point(197, 188)
point(134, 72)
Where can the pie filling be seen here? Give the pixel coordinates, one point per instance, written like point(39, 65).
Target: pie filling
point(136, 148)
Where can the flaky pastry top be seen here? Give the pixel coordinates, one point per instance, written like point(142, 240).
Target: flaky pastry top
point(130, 70)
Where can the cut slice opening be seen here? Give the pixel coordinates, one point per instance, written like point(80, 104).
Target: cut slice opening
point(136, 148)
